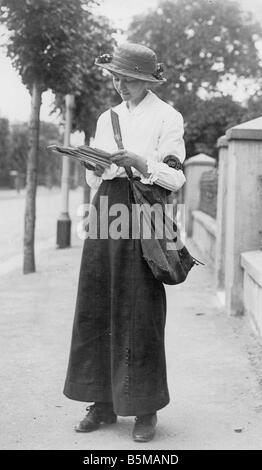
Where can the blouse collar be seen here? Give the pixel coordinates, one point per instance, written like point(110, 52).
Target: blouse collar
point(143, 105)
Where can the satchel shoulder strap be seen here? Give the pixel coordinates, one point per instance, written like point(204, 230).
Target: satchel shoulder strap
point(116, 129)
point(118, 138)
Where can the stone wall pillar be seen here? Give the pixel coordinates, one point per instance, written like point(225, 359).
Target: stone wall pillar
point(194, 168)
point(244, 205)
point(222, 145)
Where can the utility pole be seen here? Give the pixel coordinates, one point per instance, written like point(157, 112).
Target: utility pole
point(63, 234)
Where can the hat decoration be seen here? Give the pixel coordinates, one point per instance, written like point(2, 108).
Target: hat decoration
point(104, 59)
point(159, 71)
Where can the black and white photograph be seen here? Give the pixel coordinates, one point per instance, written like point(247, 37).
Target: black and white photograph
point(131, 228)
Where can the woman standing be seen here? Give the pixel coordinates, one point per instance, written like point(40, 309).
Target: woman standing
point(117, 358)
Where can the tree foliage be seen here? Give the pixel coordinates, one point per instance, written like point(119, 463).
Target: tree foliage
point(200, 42)
point(94, 92)
point(49, 167)
point(208, 121)
point(46, 40)
point(254, 107)
point(19, 147)
point(4, 147)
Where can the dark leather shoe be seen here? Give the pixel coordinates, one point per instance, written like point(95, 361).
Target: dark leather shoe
point(144, 428)
point(96, 415)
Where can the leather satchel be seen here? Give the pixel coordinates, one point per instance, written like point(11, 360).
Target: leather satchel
point(165, 254)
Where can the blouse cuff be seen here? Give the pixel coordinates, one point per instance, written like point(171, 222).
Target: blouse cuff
point(164, 175)
point(92, 180)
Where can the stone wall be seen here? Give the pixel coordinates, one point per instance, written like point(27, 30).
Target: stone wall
point(204, 235)
point(208, 192)
point(239, 221)
point(194, 169)
point(230, 234)
point(251, 263)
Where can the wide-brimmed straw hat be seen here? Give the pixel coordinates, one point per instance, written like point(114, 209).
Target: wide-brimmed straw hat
point(133, 60)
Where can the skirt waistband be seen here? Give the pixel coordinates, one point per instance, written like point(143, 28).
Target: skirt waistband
point(120, 178)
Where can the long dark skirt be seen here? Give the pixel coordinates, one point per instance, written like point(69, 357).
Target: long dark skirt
point(117, 351)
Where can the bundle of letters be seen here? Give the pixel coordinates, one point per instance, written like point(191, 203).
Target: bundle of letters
point(91, 156)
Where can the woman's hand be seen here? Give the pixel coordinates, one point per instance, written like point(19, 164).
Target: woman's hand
point(125, 158)
point(87, 165)
point(98, 171)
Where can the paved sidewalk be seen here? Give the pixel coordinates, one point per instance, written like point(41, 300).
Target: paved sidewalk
point(214, 367)
point(48, 208)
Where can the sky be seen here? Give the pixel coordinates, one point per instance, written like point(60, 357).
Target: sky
point(14, 97)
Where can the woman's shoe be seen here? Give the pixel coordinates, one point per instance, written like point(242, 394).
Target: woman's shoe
point(144, 428)
point(96, 415)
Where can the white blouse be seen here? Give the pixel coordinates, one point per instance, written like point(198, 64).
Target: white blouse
point(152, 130)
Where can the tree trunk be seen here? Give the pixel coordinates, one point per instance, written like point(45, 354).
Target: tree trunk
point(85, 185)
point(31, 181)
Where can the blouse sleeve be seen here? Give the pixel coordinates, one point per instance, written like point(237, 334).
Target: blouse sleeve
point(171, 142)
point(93, 180)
